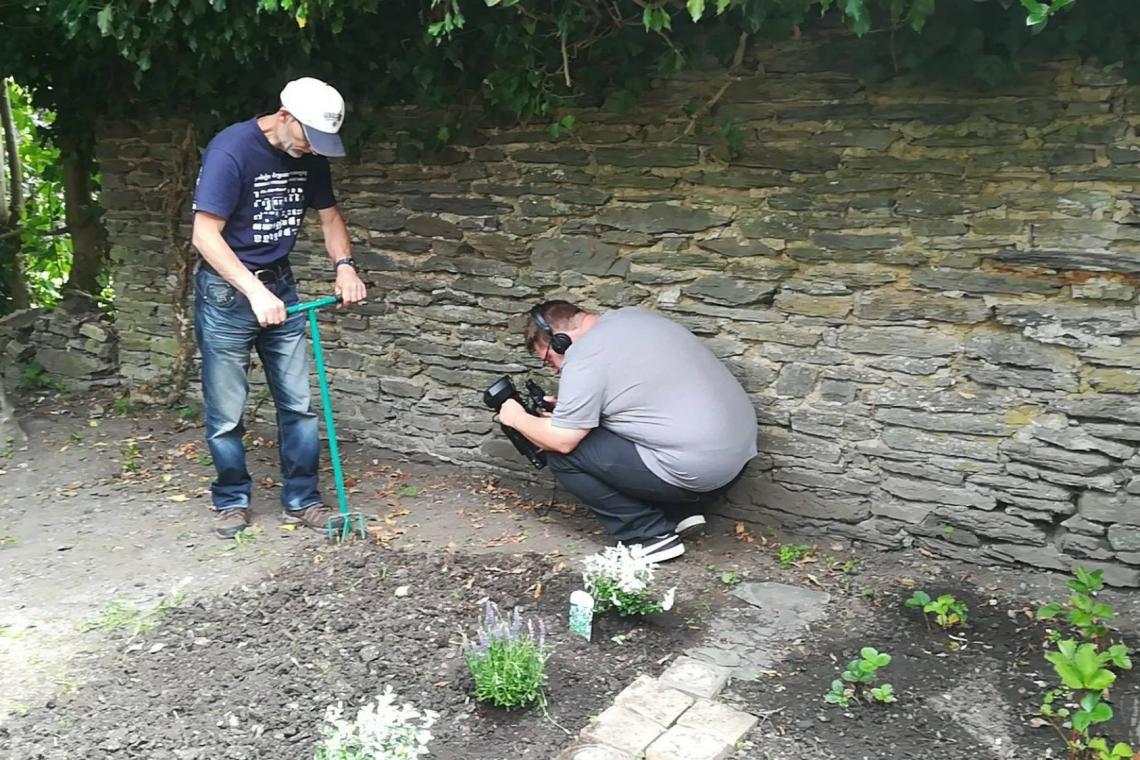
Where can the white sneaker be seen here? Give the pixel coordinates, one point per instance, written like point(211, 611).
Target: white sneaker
point(691, 526)
point(659, 548)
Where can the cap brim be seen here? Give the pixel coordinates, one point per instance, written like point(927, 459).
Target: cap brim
point(324, 143)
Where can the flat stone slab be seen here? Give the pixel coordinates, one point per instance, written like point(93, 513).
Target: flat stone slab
point(594, 752)
point(692, 676)
point(792, 605)
point(654, 700)
point(750, 639)
point(622, 729)
point(727, 724)
point(685, 743)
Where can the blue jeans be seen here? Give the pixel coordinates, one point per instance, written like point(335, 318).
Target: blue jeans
point(227, 331)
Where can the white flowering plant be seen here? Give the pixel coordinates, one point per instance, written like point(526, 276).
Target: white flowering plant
point(619, 579)
point(381, 731)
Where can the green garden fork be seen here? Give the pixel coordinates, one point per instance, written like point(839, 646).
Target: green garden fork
point(349, 522)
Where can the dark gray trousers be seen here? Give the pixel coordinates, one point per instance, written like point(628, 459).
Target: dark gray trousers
point(606, 473)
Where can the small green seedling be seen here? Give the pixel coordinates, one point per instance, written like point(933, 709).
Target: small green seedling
point(729, 578)
point(132, 456)
point(793, 553)
point(948, 611)
point(884, 694)
point(1119, 751)
point(1083, 611)
point(858, 679)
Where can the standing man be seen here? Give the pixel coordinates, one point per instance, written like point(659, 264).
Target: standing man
point(648, 423)
point(258, 178)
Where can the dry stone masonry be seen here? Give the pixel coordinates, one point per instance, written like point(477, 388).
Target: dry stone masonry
point(75, 345)
point(930, 294)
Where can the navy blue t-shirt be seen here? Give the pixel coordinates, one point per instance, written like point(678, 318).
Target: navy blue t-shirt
point(260, 191)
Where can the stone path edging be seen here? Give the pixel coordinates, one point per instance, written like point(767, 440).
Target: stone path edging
point(676, 716)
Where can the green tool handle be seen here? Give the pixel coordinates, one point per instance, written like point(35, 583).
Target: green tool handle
point(319, 303)
point(326, 404)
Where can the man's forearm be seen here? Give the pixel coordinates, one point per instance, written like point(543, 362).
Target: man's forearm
point(540, 432)
point(224, 261)
point(335, 232)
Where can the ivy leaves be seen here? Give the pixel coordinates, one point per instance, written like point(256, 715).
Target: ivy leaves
point(1039, 12)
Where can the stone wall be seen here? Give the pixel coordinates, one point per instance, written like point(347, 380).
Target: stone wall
point(75, 344)
point(930, 294)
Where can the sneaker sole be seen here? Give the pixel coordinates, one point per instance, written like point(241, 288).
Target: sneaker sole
point(691, 527)
point(666, 554)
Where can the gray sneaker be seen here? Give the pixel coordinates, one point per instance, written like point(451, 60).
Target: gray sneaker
point(229, 522)
point(317, 517)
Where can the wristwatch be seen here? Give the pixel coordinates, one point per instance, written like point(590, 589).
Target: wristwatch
point(347, 260)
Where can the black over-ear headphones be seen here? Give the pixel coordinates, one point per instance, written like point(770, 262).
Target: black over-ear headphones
point(559, 342)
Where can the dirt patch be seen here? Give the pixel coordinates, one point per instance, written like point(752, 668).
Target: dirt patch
point(104, 509)
point(966, 693)
point(249, 674)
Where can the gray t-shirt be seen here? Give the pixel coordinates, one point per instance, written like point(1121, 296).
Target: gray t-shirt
point(651, 381)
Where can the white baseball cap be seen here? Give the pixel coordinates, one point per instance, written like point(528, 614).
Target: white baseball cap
point(320, 109)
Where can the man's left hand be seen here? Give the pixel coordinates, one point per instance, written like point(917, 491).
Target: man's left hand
point(349, 286)
point(511, 412)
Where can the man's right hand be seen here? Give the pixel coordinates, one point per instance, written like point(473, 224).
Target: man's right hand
point(268, 308)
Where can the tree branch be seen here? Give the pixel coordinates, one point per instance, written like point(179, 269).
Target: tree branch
point(11, 148)
point(737, 62)
point(565, 60)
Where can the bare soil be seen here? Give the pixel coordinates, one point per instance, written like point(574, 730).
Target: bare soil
point(128, 631)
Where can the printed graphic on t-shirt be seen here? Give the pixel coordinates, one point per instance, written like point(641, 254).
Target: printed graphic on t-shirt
point(278, 205)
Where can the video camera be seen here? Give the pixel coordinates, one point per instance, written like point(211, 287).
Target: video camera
point(534, 401)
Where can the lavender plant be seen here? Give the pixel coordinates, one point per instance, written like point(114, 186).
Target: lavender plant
point(507, 659)
point(380, 731)
point(617, 579)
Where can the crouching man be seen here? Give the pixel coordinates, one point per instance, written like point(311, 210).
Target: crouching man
point(648, 424)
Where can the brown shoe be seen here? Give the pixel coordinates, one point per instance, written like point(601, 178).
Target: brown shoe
point(317, 517)
point(229, 522)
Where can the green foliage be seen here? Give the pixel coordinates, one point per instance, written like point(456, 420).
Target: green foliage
point(131, 455)
point(793, 553)
point(1083, 667)
point(859, 678)
point(45, 252)
point(116, 617)
point(948, 611)
point(729, 578)
point(523, 58)
point(609, 595)
point(507, 661)
point(884, 694)
point(1039, 12)
point(1086, 671)
point(1118, 751)
point(34, 377)
point(619, 579)
point(1082, 610)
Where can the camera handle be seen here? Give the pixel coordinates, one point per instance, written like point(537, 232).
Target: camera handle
point(523, 445)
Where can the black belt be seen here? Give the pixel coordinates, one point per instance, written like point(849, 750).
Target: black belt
point(268, 273)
